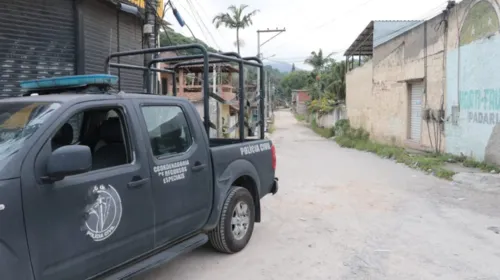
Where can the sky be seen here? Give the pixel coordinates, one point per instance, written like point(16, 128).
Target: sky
point(331, 25)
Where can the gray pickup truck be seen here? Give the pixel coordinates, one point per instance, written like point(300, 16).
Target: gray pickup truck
point(110, 185)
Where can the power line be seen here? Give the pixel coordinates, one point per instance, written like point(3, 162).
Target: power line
point(203, 23)
point(343, 14)
point(208, 17)
point(328, 22)
point(189, 28)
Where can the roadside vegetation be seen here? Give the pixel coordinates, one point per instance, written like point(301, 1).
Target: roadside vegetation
point(300, 117)
point(271, 129)
point(322, 131)
point(432, 163)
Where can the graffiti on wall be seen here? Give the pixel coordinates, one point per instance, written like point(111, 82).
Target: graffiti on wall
point(472, 86)
point(481, 106)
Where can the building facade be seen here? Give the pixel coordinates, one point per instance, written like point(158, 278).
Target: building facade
point(299, 101)
point(433, 83)
point(404, 78)
point(473, 86)
point(46, 38)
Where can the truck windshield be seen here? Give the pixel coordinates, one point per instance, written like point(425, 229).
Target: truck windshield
point(18, 122)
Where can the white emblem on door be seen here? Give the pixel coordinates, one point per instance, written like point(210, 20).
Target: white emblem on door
point(2, 207)
point(104, 213)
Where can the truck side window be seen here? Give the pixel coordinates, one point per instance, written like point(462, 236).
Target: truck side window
point(168, 130)
point(105, 135)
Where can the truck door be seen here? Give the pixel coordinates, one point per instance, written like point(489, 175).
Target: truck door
point(181, 174)
point(84, 224)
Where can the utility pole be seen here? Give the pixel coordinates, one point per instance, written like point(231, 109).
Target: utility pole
point(149, 31)
point(278, 31)
point(259, 55)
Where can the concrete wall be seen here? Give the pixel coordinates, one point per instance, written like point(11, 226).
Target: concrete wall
point(378, 98)
point(301, 108)
point(329, 120)
point(397, 65)
point(358, 95)
point(473, 99)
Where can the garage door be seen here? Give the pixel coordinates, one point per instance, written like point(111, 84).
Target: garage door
point(417, 90)
point(108, 30)
point(37, 40)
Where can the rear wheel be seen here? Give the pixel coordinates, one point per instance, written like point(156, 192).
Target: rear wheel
point(236, 222)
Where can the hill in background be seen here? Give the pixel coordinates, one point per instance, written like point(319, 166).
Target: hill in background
point(173, 38)
point(283, 67)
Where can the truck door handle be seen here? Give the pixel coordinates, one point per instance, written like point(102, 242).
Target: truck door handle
point(137, 183)
point(198, 166)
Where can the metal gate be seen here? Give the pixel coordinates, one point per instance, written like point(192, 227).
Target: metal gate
point(37, 40)
point(416, 93)
point(100, 35)
point(130, 35)
point(107, 30)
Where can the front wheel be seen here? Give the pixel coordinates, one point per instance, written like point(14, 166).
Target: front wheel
point(236, 222)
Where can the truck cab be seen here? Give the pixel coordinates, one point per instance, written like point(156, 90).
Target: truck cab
point(103, 184)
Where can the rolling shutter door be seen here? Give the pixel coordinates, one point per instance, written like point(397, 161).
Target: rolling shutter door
point(100, 35)
point(37, 40)
point(130, 33)
point(417, 91)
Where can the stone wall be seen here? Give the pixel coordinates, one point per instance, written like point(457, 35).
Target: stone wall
point(329, 120)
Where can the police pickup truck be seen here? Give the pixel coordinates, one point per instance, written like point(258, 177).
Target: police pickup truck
point(109, 185)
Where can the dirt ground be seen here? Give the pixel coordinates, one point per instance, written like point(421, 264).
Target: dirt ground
point(345, 214)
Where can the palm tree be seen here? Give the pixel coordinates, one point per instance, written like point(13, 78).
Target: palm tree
point(317, 60)
point(336, 83)
point(235, 19)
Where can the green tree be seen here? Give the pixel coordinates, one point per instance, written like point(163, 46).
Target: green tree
point(235, 19)
point(172, 38)
point(335, 82)
point(293, 67)
point(298, 79)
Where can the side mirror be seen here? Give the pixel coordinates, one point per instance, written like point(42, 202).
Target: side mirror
point(67, 161)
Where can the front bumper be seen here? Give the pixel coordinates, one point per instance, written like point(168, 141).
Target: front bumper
point(275, 187)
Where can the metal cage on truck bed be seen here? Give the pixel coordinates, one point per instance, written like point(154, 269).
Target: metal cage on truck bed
point(208, 58)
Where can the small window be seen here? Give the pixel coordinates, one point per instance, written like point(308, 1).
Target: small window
point(168, 130)
point(76, 123)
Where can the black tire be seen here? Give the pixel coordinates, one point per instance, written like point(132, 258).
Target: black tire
point(222, 238)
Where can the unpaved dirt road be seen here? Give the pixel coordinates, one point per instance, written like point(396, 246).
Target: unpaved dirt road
point(345, 214)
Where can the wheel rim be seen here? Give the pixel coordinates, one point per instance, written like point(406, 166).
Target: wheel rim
point(240, 220)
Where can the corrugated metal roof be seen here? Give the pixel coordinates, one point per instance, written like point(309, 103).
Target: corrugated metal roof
point(378, 32)
point(386, 30)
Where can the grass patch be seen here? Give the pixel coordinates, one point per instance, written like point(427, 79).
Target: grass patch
point(480, 165)
point(271, 129)
point(323, 132)
point(359, 139)
point(300, 117)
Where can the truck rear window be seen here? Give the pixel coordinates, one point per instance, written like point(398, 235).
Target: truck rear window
point(18, 122)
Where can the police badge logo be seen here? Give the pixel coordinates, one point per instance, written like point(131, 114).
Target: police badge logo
point(103, 215)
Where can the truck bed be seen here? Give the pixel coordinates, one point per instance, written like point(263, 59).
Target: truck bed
point(229, 156)
point(216, 142)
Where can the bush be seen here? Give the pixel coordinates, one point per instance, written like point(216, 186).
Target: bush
point(341, 127)
point(300, 118)
point(324, 132)
point(321, 106)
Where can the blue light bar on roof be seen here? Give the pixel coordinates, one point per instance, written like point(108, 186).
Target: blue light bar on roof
point(70, 81)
